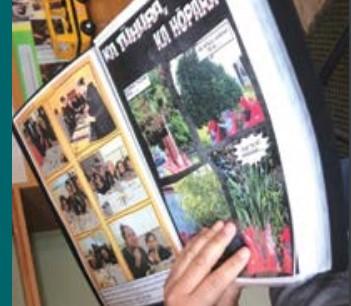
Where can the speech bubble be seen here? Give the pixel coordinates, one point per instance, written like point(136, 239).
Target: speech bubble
point(252, 149)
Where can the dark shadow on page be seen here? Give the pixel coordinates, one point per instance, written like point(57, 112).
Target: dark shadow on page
point(233, 247)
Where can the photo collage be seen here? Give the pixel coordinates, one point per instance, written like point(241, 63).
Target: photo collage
point(94, 179)
point(212, 144)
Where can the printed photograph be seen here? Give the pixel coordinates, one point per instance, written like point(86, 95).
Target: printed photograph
point(162, 125)
point(254, 179)
point(80, 110)
point(102, 260)
point(143, 245)
point(41, 140)
point(40, 31)
point(113, 179)
point(215, 88)
point(73, 204)
point(24, 10)
point(196, 201)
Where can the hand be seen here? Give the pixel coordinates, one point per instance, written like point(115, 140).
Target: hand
point(192, 281)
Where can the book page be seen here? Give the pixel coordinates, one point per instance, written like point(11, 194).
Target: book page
point(96, 180)
point(183, 75)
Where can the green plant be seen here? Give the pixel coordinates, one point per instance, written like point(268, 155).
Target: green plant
point(202, 197)
point(258, 199)
point(206, 89)
point(154, 108)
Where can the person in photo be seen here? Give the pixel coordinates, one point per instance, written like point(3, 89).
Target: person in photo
point(124, 170)
point(253, 112)
point(83, 114)
point(103, 262)
point(103, 123)
point(110, 263)
point(33, 148)
point(230, 122)
point(156, 251)
point(66, 210)
point(68, 114)
point(73, 204)
point(102, 178)
point(24, 10)
point(113, 179)
point(60, 119)
point(216, 132)
point(135, 256)
point(77, 200)
point(42, 141)
point(105, 171)
point(101, 184)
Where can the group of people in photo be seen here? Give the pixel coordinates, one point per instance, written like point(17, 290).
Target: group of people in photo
point(83, 114)
point(40, 137)
point(74, 206)
point(230, 122)
point(106, 175)
point(103, 262)
point(143, 262)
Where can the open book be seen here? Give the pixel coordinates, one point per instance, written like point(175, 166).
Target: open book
point(182, 113)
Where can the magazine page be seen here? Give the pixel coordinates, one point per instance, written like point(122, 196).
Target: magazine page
point(80, 148)
point(212, 127)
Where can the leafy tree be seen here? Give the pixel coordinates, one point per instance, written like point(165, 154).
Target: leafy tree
point(152, 107)
point(202, 198)
point(206, 89)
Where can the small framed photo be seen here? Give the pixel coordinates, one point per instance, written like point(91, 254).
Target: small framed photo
point(78, 106)
point(144, 246)
point(101, 260)
point(73, 204)
point(41, 141)
point(113, 178)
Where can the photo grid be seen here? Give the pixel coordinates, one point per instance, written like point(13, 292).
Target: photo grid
point(93, 178)
point(207, 129)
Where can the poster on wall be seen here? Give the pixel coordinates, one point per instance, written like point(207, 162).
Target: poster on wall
point(32, 46)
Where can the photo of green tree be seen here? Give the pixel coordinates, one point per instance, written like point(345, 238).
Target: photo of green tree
point(206, 89)
point(163, 127)
point(216, 88)
point(201, 197)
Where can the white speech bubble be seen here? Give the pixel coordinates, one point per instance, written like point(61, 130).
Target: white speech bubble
point(252, 149)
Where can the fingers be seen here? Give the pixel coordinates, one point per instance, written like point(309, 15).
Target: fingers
point(215, 284)
point(206, 258)
point(231, 296)
point(191, 251)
